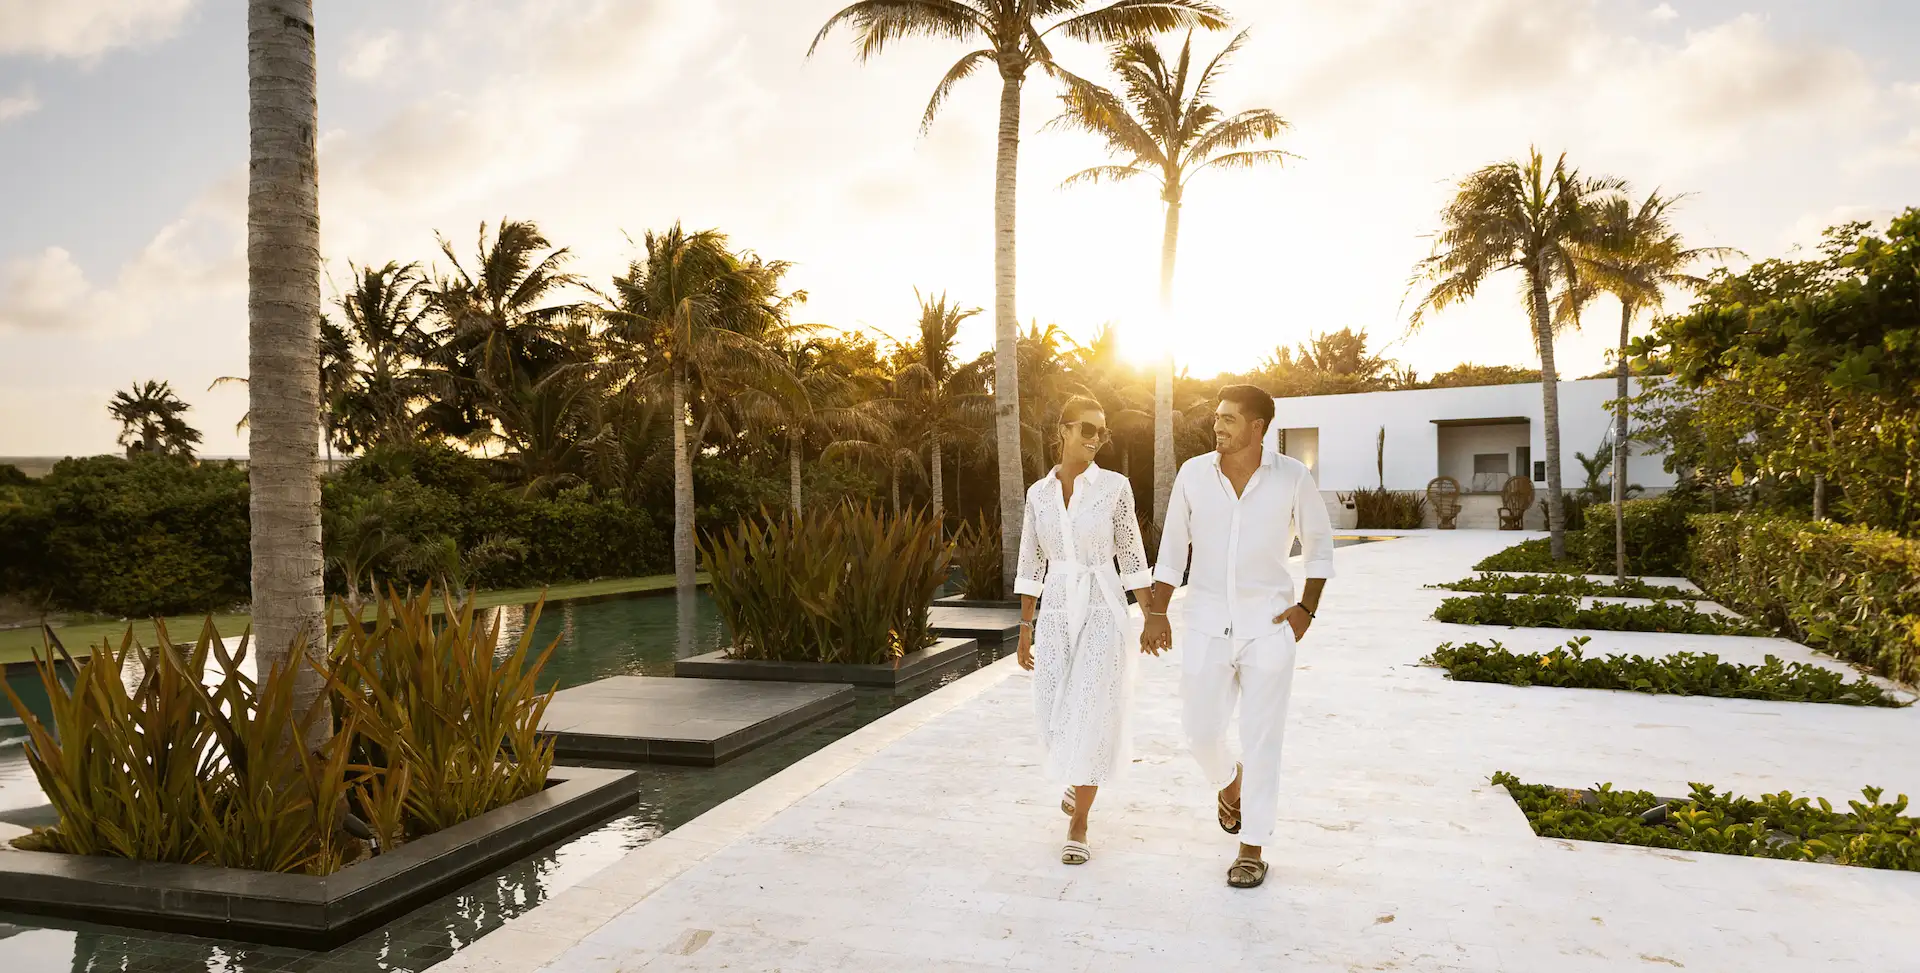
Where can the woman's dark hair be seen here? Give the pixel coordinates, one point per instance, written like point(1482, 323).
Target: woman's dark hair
point(1079, 405)
point(1254, 402)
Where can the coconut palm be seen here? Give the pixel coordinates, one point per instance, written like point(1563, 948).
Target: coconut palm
point(828, 391)
point(687, 317)
point(150, 420)
point(386, 313)
point(892, 442)
point(1637, 257)
point(283, 344)
point(940, 399)
point(1168, 131)
point(1014, 37)
point(1520, 216)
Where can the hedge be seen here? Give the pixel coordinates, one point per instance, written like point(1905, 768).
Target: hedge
point(1656, 542)
point(1679, 674)
point(1852, 592)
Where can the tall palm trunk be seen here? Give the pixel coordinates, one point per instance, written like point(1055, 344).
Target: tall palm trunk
point(939, 488)
point(793, 469)
point(1006, 325)
point(894, 475)
point(684, 556)
point(1550, 415)
point(283, 344)
point(1620, 447)
point(1163, 458)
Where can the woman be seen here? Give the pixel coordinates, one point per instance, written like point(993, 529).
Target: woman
point(1079, 521)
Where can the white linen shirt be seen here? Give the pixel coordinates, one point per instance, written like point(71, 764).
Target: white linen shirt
point(1241, 544)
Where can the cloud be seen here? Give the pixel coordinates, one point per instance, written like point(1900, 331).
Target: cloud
point(1663, 13)
point(18, 105)
point(369, 56)
point(85, 29)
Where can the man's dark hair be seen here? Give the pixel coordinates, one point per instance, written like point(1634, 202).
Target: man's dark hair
point(1254, 402)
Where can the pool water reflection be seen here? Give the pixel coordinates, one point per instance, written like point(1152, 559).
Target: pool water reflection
point(628, 636)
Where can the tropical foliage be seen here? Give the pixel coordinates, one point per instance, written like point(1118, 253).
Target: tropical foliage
point(846, 585)
point(1561, 611)
point(1850, 591)
point(1384, 509)
point(1535, 584)
point(152, 421)
point(1780, 826)
point(1656, 532)
point(430, 727)
point(1679, 674)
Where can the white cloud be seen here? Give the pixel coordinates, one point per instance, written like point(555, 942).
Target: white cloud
point(18, 105)
point(1663, 13)
point(369, 56)
point(85, 29)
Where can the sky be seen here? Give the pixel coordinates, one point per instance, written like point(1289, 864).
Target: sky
point(123, 166)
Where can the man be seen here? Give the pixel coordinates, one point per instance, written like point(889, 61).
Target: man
point(1240, 509)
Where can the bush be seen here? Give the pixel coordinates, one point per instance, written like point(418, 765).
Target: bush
point(1383, 509)
point(845, 585)
point(1558, 611)
point(1680, 674)
point(1565, 585)
point(1657, 533)
point(1534, 554)
point(151, 536)
point(1778, 826)
point(980, 564)
point(1853, 592)
point(160, 769)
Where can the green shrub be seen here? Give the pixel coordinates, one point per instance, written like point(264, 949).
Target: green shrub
point(1874, 835)
point(1559, 611)
point(1853, 592)
point(844, 585)
point(1533, 584)
point(1533, 554)
point(1383, 509)
point(1656, 537)
point(1680, 674)
point(159, 768)
point(980, 563)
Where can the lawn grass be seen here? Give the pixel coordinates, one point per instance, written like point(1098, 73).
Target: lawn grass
point(81, 634)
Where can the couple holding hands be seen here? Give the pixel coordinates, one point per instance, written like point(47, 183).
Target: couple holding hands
point(1229, 531)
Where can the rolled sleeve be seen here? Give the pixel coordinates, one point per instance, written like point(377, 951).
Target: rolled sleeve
point(1030, 577)
point(1316, 531)
point(1027, 586)
point(1175, 536)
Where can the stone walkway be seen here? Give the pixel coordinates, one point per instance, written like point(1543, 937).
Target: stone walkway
point(928, 841)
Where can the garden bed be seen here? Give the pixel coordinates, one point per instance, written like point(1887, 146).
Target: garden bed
point(1570, 584)
point(308, 911)
point(1681, 674)
point(1780, 826)
point(942, 656)
point(1560, 611)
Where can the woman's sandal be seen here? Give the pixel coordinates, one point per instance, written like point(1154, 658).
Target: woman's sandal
point(1246, 873)
point(1067, 803)
point(1075, 853)
point(1229, 812)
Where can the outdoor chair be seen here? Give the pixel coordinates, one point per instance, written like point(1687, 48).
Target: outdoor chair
point(1443, 495)
point(1515, 498)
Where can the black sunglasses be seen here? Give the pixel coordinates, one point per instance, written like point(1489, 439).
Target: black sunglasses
point(1089, 430)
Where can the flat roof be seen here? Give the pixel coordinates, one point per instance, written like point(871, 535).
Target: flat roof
point(1495, 421)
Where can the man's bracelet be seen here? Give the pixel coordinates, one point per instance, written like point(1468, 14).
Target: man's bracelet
point(1304, 608)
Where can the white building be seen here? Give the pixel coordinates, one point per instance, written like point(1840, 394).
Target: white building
point(1479, 436)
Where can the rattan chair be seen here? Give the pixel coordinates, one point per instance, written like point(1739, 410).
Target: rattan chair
point(1443, 495)
point(1515, 498)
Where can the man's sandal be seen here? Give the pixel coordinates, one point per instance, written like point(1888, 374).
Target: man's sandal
point(1229, 814)
point(1247, 873)
point(1075, 853)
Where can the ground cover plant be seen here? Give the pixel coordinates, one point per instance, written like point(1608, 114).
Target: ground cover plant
point(1870, 834)
point(1524, 584)
point(1562, 611)
point(846, 585)
point(1680, 674)
point(431, 725)
point(1848, 590)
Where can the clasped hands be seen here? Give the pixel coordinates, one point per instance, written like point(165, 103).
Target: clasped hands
point(1157, 636)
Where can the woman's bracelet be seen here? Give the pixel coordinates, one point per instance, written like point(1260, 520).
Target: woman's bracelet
point(1026, 623)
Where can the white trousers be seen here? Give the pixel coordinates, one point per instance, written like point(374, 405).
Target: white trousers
point(1259, 674)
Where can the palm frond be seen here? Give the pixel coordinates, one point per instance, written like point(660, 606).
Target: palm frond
point(960, 71)
point(1097, 173)
point(877, 23)
point(1125, 19)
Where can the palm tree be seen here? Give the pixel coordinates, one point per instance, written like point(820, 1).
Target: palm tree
point(1519, 216)
point(1638, 255)
point(824, 406)
point(941, 401)
point(892, 442)
point(687, 316)
point(1166, 130)
point(150, 421)
point(386, 316)
point(283, 344)
point(1014, 40)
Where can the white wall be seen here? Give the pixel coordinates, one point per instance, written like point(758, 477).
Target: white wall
point(1348, 424)
point(1304, 445)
